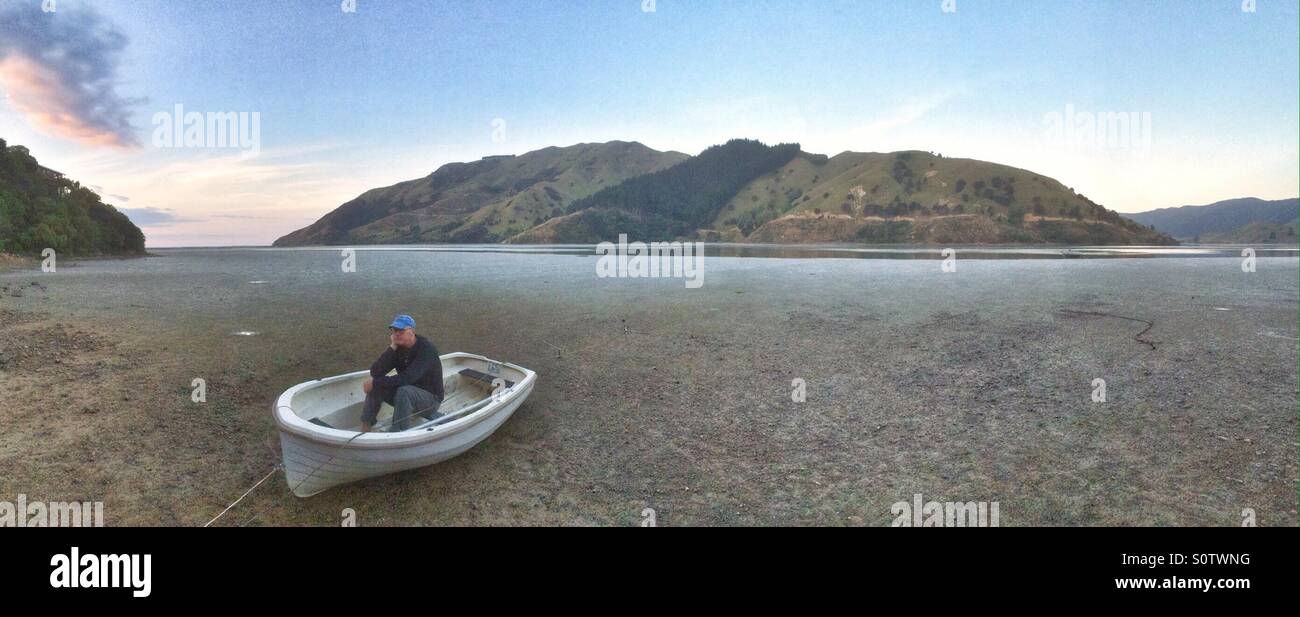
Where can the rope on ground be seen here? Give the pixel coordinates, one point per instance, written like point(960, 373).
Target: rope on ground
point(1137, 337)
point(246, 493)
point(558, 350)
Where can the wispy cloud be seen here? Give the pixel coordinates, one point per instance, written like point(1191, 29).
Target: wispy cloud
point(907, 113)
point(203, 197)
point(60, 70)
point(153, 217)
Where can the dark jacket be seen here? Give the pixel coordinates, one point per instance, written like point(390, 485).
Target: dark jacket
point(418, 366)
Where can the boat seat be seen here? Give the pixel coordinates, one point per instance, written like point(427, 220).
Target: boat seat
point(484, 378)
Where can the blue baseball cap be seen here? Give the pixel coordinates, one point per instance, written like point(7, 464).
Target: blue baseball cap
point(402, 322)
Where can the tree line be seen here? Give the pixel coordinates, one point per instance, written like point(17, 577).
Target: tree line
point(39, 210)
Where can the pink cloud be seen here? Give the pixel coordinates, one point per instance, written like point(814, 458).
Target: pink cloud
point(42, 98)
point(60, 69)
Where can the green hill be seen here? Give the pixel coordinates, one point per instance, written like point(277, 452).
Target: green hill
point(670, 203)
point(919, 197)
point(742, 190)
point(484, 201)
point(39, 209)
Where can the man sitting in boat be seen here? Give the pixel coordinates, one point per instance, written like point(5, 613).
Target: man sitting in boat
point(417, 386)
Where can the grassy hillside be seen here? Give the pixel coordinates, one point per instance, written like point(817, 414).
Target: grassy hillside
point(39, 210)
point(484, 201)
point(901, 197)
point(918, 197)
point(739, 191)
point(673, 202)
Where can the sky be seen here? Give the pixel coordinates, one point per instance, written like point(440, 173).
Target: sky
point(349, 100)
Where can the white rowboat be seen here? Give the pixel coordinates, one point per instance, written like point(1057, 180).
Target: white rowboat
point(320, 420)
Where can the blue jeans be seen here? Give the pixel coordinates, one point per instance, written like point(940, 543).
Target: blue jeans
point(406, 401)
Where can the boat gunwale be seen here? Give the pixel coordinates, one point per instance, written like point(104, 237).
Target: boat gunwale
point(291, 423)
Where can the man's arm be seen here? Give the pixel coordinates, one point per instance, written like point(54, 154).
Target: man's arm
point(414, 371)
point(386, 362)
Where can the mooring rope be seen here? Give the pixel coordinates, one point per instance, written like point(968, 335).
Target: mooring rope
point(241, 497)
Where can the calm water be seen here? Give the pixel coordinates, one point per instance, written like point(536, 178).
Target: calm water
point(239, 290)
point(848, 251)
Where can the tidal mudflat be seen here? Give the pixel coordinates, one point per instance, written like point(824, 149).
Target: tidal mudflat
point(973, 385)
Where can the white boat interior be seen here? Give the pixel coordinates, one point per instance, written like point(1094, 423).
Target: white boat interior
point(467, 382)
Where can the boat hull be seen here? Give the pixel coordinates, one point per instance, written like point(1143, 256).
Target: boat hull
point(315, 460)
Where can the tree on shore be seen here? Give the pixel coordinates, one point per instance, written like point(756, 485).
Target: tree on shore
point(1016, 215)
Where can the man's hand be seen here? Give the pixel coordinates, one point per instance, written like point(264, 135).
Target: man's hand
point(368, 385)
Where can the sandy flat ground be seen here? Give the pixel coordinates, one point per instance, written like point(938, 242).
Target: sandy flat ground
point(968, 386)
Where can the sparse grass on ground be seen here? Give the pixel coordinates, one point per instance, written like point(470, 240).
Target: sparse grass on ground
point(972, 386)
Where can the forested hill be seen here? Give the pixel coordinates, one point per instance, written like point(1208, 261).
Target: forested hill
point(39, 209)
